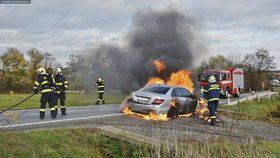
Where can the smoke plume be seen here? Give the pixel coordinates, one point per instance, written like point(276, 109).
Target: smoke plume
point(167, 35)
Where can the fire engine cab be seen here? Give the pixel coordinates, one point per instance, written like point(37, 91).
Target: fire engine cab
point(231, 81)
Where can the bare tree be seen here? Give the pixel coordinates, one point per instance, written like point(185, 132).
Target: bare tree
point(256, 66)
point(49, 60)
point(35, 61)
point(215, 62)
point(219, 62)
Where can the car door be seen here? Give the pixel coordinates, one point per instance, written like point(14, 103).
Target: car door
point(180, 99)
point(190, 101)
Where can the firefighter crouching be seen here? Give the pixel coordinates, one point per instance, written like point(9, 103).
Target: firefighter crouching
point(100, 88)
point(45, 83)
point(61, 86)
point(212, 92)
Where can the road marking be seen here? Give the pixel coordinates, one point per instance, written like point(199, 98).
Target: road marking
point(68, 111)
point(56, 121)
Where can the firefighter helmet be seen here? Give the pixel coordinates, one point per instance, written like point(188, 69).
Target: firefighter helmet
point(41, 70)
point(212, 79)
point(58, 70)
point(99, 79)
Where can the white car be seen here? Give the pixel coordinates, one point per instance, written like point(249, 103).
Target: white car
point(159, 99)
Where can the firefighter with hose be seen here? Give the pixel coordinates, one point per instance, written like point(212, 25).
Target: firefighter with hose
point(61, 86)
point(100, 88)
point(45, 83)
point(212, 92)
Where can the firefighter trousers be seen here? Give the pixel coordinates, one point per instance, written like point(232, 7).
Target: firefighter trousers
point(61, 97)
point(49, 98)
point(212, 106)
point(100, 98)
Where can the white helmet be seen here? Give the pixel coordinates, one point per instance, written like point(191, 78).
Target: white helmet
point(99, 79)
point(58, 70)
point(41, 70)
point(212, 79)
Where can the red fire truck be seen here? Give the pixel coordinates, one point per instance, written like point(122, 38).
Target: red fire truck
point(231, 81)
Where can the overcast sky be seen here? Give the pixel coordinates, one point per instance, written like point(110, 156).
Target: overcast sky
point(64, 27)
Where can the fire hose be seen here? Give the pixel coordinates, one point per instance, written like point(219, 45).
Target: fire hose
point(17, 104)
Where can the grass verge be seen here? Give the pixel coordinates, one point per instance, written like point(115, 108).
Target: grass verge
point(8, 100)
point(257, 110)
point(87, 143)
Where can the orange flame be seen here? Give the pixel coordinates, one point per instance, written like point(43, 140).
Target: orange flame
point(180, 78)
point(155, 80)
point(202, 110)
point(150, 116)
point(159, 65)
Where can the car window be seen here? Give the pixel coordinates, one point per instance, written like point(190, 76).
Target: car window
point(175, 92)
point(185, 92)
point(156, 89)
point(180, 92)
point(225, 76)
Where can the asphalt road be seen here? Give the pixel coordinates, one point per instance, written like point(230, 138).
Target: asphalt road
point(24, 118)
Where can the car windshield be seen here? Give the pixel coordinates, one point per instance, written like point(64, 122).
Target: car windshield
point(156, 89)
point(204, 77)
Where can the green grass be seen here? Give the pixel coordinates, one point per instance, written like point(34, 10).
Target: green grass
point(7, 100)
point(62, 143)
point(258, 110)
point(87, 143)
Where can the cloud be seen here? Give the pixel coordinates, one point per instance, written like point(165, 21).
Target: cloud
point(63, 27)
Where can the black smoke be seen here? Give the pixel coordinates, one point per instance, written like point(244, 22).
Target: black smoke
point(167, 35)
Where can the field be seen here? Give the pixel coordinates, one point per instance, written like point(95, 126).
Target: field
point(88, 143)
point(263, 110)
point(8, 100)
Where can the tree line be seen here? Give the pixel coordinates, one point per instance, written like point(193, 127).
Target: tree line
point(257, 67)
point(18, 69)
point(18, 73)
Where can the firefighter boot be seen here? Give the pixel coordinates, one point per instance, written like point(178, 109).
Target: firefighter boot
point(103, 101)
point(53, 113)
point(55, 109)
point(42, 114)
point(97, 102)
point(213, 122)
point(63, 111)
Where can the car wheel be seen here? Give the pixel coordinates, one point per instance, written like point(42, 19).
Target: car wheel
point(172, 112)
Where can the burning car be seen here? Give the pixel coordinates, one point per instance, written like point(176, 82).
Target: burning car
point(163, 99)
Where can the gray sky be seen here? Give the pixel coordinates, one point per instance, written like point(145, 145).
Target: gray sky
point(64, 27)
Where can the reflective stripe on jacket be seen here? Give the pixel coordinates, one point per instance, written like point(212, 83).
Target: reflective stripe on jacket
point(212, 92)
point(100, 86)
point(44, 82)
point(61, 82)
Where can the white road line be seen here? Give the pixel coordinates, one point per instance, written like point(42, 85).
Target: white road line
point(69, 111)
point(56, 121)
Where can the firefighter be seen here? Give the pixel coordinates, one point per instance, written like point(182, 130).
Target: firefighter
point(45, 83)
point(100, 88)
point(212, 92)
point(61, 86)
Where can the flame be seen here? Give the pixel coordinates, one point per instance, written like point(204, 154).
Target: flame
point(159, 65)
point(150, 116)
point(202, 110)
point(181, 79)
point(155, 80)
